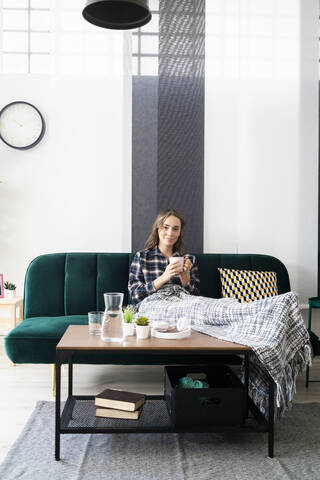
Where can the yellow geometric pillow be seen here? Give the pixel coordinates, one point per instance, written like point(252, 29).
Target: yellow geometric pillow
point(247, 285)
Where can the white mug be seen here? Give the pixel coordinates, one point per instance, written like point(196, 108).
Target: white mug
point(183, 324)
point(179, 261)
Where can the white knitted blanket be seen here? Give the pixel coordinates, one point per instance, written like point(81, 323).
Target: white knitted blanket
point(272, 327)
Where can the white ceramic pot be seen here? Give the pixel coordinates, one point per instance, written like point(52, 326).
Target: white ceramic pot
point(142, 331)
point(128, 329)
point(10, 293)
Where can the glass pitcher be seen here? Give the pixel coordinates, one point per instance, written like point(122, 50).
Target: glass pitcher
point(112, 323)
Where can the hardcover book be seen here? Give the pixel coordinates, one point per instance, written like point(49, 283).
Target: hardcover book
point(119, 399)
point(112, 413)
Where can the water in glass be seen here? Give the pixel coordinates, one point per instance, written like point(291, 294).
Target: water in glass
point(112, 324)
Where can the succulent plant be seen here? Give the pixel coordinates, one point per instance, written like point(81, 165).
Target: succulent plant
point(9, 286)
point(129, 313)
point(142, 321)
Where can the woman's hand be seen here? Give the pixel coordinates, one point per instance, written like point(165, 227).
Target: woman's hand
point(185, 275)
point(187, 265)
point(171, 270)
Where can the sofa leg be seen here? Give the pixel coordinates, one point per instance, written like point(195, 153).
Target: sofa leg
point(53, 379)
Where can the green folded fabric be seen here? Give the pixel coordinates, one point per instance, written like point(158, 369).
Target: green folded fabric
point(187, 382)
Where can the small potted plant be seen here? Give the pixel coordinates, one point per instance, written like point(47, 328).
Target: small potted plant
point(10, 289)
point(142, 327)
point(128, 323)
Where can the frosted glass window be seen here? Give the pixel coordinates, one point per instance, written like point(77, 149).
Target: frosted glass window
point(51, 35)
point(15, 63)
point(213, 6)
point(40, 42)
point(149, 44)
point(40, 63)
point(244, 48)
point(115, 43)
point(231, 6)
point(262, 47)
point(288, 49)
point(288, 25)
point(15, 3)
point(246, 37)
point(15, 41)
point(214, 68)
point(96, 44)
point(72, 21)
point(154, 4)
point(213, 46)
point(96, 65)
point(40, 20)
point(71, 64)
point(134, 44)
point(145, 45)
point(70, 43)
point(213, 24)
point(14, 20)
point(288, 7)
point(153, 25)
point(231, 46)
point(71, 4)
point(116, 65)
point(231, 26)
point(260, 7)
point(89, 28)
point(134, 66)
point(149, 65)
point(288, 69)
point(230, 68)
point(261, 26)
point(259, 69)
point(42, 3)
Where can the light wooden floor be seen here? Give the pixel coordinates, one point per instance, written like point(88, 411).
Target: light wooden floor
point(23, 385)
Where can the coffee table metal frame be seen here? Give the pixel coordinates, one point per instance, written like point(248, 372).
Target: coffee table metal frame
point(62, 418)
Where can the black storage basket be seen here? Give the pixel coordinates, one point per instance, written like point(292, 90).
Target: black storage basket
point(221, 404)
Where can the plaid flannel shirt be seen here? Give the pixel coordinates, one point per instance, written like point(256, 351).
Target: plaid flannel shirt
point(147, 265)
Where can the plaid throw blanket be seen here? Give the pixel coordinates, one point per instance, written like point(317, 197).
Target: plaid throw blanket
point(272, 327)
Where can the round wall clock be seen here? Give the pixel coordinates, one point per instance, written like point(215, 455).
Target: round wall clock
point(21, 125)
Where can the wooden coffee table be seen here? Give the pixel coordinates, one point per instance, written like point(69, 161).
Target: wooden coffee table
point(78, 416)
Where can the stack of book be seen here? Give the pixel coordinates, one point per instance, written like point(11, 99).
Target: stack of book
point(119, 404)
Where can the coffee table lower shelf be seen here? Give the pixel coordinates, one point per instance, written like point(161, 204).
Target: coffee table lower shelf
point(78, 416)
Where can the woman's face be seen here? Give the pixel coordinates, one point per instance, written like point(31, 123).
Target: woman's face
point(169, 232)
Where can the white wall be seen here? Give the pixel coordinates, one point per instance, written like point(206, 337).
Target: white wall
point(261, 150)
point(72, 192)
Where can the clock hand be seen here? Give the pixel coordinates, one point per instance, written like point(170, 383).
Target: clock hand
point(15, 121)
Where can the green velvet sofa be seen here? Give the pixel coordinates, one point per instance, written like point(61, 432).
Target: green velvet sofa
point(61, 288)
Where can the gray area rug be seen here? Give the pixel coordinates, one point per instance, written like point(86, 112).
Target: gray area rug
point(231, 455)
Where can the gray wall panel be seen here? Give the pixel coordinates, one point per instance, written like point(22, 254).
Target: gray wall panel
point(181, 114)
point(144, 157)
point(168, 126)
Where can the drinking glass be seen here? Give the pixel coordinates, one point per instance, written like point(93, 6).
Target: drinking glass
point(112, 324)
point(95, 321)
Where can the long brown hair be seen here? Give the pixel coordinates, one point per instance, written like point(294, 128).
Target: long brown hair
point(153, 238)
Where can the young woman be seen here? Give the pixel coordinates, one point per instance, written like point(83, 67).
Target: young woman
point(151, 268)
point(265, 325)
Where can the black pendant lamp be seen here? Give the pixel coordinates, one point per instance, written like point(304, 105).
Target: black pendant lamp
point(117, 14)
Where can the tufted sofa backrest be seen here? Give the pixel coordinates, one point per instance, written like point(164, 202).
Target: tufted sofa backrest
point(73, 283)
